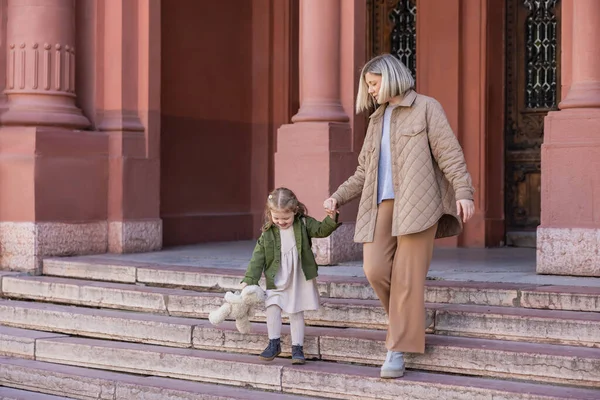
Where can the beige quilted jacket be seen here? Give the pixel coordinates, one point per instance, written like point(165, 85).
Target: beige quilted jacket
point(429, 172)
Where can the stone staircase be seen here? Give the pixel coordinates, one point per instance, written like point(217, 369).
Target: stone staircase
point(105, 330)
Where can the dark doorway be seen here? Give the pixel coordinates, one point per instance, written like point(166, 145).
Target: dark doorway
point(532, 90)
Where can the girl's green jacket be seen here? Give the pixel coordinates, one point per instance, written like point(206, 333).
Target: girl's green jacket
point(267, 253)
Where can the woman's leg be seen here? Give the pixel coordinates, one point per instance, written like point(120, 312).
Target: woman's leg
point(406, 332)
point(378, 255)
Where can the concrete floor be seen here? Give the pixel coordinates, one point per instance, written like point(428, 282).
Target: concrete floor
point(514, 265)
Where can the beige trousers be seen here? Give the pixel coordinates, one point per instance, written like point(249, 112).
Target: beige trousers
point(396, 268)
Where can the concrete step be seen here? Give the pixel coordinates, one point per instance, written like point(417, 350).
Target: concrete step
point(330, 380)
point(99, 323)
point(20, 342)
point(480, 357)
point(568, 298)
point(16, 394)
point(90, 384)
point(467, 356)
point(507, 323)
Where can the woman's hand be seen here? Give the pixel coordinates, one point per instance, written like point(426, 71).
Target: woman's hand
point(243, 285)
point(331, 207)
point(466, 208)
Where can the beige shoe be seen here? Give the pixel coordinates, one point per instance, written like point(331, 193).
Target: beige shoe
point(393, 366)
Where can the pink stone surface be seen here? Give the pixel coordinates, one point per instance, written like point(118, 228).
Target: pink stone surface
point(569, 235)
point(568, 251)
point(134, 236)
point(42, 33)
point(25, 244)
point(337, 248)
point(585, 86)
point(320, 32)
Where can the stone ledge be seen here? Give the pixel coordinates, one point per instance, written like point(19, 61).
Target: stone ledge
point(568, 251)
point(134, 236)
point(510, 323)
point(471, 356)
point(25, 244)
point(196, 365)
point(218, 280)
point(315, 378)
point(87, 384)
point(15, 342)
point(105, 324)
point(16, 394)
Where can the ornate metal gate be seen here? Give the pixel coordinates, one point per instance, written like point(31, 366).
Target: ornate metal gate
point(392, 29)
point(532, 90)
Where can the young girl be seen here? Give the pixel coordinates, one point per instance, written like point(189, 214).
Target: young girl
point(284, 254)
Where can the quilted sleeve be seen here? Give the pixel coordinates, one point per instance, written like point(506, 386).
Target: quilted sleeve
point(447, 151)
point(353, 187)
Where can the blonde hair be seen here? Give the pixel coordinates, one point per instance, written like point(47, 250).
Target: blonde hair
point(282, 199)
point(396, 79)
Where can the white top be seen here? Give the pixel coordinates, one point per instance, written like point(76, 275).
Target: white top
point(385, 185)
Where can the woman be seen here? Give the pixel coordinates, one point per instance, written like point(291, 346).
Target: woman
point(415, 187)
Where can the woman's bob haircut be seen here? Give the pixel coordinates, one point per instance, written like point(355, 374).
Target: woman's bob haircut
point(396, 79)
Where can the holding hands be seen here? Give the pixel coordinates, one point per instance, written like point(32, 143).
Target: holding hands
point(331, 207)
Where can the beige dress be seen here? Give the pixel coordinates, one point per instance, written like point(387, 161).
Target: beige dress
point(294, 293)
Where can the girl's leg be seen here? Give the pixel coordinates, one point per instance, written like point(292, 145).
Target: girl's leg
point(297, 328)
point(274, 329)
point(406, 332)
point(274, 322)
point(378, 255)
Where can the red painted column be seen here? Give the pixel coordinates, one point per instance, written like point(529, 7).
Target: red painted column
point(320, 67)
point(131, 119)
point(569, 235)
point(53, 174)
point(40, 74)
point(585, 87)
point(316, 153)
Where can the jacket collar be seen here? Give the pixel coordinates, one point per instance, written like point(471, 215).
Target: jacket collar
point(297, 227)
point(407, 101)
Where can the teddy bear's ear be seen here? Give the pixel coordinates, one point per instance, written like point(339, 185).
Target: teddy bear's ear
point(233, 298)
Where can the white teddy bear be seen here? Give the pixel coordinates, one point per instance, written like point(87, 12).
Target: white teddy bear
point(240, 306)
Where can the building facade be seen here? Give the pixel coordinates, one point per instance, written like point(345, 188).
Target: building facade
point(130, 125)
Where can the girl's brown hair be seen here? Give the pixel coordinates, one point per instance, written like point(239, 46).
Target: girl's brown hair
point(282, 199)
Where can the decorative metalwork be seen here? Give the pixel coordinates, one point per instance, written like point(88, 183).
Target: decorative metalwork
point(541, 54)
point(532, 89)
point(403, 37)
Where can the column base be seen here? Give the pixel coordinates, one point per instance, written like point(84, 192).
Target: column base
point(321, 111)
point(569, 235)
point(568, 251)
point(582, 95)
point(339, 247)
point(25, 244)
point(134, 236)
point(32, 109)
